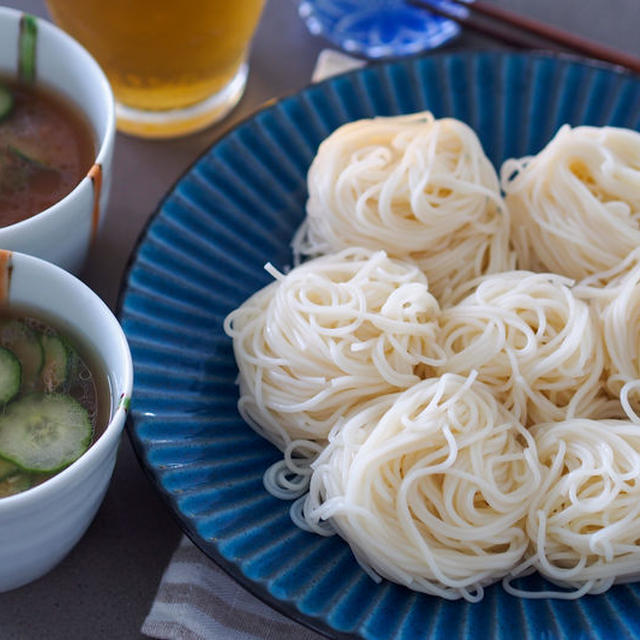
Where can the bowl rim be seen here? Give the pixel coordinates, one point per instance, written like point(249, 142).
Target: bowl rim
point(102, 86)
point(116, 422)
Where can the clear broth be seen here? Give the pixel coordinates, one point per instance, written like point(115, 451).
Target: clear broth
point(89, 386)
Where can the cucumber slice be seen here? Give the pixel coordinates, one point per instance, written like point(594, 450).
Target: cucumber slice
point(10, 375)
point(57, 363)
point(26, 346)
point(15, 483)
point(27, 159)
point(7, 469)
point(6, 101)
point(44, 432)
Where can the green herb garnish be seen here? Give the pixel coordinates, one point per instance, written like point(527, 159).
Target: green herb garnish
point(6, 101)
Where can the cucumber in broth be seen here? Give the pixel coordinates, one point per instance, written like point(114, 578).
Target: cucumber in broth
point(44, 433)
point(57, 362)
point(7, 469)
point(10, 376)
point(26, 346)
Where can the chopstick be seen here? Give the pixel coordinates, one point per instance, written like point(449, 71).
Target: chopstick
point(530, 27)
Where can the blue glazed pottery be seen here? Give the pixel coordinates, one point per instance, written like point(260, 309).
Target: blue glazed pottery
point(379, 28)
point(202, 255)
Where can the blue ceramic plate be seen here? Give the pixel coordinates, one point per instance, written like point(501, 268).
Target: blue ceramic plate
point(203, 254)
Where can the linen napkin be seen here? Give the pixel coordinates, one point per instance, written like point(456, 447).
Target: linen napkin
point(196, 600)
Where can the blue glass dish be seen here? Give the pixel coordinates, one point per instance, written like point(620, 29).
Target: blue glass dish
point(202, 255)
point(380, 28)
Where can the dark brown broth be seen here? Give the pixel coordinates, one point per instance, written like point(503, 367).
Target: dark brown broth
point(91, 385)
point(58, 143)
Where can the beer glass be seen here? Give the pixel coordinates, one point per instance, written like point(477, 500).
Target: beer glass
point(175, 67)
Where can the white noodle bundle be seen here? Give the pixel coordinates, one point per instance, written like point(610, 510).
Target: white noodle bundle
point(430, 487)
point(532, 342)
point(414, 186)
point(575, 207)
point(332, 333)
point(617, 306)
point(584, 523)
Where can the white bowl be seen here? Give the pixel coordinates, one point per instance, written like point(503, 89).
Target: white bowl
point(40, 526)
point(63, 233)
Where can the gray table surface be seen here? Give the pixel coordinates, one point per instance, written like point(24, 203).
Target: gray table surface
point(104, 588)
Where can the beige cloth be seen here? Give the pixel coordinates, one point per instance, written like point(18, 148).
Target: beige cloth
point(198, 601)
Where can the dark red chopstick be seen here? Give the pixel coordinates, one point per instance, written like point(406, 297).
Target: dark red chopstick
point(529, 27)
point(511, 38)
